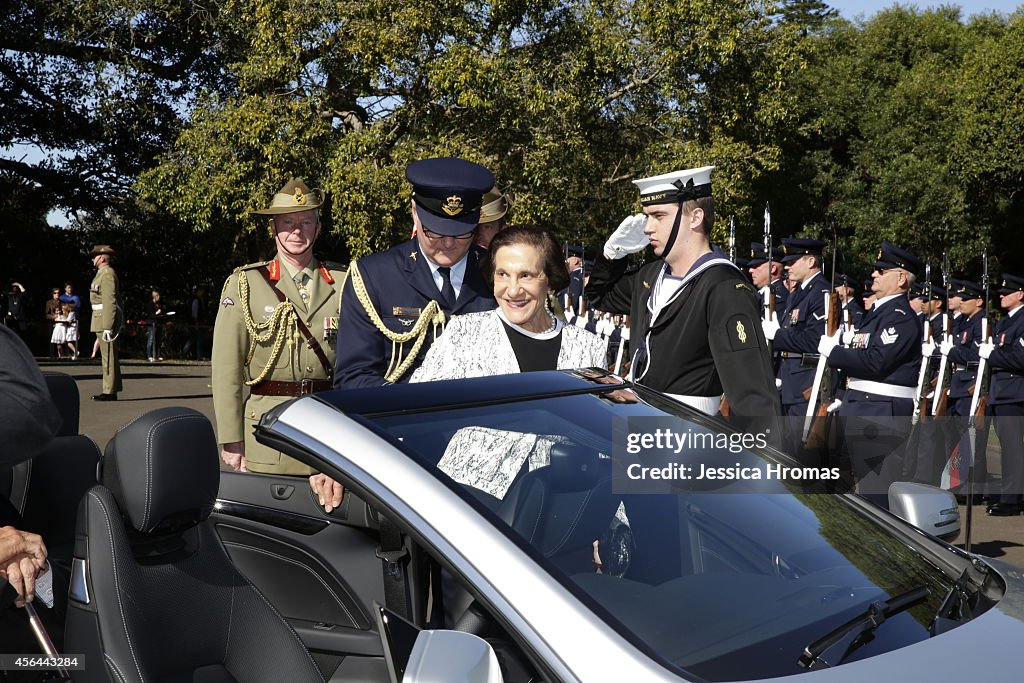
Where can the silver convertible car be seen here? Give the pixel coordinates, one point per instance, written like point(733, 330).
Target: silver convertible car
point(483, 537)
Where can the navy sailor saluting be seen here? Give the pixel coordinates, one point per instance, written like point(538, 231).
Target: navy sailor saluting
point(694, 317)
point(882, 363)
point(397, 301)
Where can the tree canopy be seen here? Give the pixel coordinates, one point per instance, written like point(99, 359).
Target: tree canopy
point(162, 120)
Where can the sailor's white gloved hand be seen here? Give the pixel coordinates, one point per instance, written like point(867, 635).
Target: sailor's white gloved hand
point(827, 343)
point(946, 346)
point(927, 349)
point(770, 327)
point(581, 321)
point(833, 406)
point(848, 337)
point(628, 238)
point(107, 336)
point(985, 350)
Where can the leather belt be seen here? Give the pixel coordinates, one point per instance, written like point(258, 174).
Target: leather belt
point(790, 354)
point(957, 367)
point(306, 386)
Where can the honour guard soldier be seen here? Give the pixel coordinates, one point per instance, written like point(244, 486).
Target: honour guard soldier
point(852, 311)
point(963, 357)
point(798, 330)
point(107, 318)
point(1006, 395)
point(397, 301)
point(882, 363)
point(765, 273)
point(694, 317)
point(275, 332)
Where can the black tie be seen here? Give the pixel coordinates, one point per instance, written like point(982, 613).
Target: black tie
point(447, 291)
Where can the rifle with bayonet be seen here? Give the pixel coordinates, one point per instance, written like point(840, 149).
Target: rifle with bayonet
point(979, 400)
point(769, 292)
point(823, 389)
point(732, 239)
point(923, 375)
point(940, 397)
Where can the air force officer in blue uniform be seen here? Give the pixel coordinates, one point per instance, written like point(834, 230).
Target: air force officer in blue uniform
point(881, 360)
point(397, 301)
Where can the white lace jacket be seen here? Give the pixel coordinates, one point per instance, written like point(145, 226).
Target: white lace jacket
point(476, 345)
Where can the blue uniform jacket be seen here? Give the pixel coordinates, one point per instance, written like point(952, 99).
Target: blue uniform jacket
point(1007, 359)
point(965, 352)
point(886, 347)
point(400, 285)
point(803, 324)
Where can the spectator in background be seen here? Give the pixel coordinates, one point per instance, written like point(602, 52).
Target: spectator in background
point(53, 309)
point(197, 318)
point(59, 334)
point(69, 296)
point(16, 302)
point(71, 329)
point(157, 315)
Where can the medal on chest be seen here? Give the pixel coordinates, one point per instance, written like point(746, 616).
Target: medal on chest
point(794, 316)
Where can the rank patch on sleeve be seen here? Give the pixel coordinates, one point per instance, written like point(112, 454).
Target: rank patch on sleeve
point(741, 333)
point(889, 336)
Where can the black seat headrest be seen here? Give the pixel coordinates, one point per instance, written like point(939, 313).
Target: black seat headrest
point(574, 468)
point(163, 469)
point(64, 392)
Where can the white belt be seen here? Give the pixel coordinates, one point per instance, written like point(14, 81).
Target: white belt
point(97, 307)
point(709, 405)
point(881, 388)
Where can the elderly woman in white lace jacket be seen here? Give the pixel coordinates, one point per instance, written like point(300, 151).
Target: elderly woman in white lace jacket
point(522, 334)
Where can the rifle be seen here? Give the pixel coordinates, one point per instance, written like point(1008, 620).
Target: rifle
point(940, 399)
point(732, 239)
point(979, 401)
point(822, 390)
point(920, 394)
point(769, 307)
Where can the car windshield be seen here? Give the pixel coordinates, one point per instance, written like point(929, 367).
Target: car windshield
point(723, 585)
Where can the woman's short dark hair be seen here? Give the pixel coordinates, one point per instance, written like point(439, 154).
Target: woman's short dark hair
point(541, 239)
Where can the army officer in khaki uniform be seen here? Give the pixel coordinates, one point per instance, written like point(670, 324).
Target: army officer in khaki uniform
point(106, 319)
point(275, 333)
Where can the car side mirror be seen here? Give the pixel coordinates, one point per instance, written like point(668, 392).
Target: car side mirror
point(929, 508)
point(451, 657)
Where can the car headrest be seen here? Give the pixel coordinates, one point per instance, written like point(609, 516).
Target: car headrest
point(163, 469)
point(64, 392)
point(573, 468)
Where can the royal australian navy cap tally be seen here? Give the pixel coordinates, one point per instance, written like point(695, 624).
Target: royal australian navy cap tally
point(678, 186)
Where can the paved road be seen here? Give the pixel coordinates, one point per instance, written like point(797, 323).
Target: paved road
point(156, 385)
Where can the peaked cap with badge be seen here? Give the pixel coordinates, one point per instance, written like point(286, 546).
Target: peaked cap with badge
point(276, 333)
point(449, 193)
point(796, 247)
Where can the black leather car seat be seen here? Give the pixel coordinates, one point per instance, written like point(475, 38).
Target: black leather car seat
point(561, 508)
point(154, 596)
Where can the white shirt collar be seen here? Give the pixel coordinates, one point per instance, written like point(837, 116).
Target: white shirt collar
point(884, 299)
point(457, 274)
point(1013, 312)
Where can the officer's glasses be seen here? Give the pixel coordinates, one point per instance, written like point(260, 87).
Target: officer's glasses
point(431, 235)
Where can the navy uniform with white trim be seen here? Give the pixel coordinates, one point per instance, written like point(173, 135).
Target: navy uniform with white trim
point(882, 363)
point(963, 357)
point(397, 301)
point(1006, 395)
point(694, 317)
point(802, 323)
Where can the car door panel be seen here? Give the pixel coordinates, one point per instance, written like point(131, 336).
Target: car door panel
point(319, 570)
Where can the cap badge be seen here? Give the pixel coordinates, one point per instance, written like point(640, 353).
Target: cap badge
point(299, 197)
point(453, 205)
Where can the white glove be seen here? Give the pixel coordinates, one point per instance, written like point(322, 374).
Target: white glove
point(833, 406)
point(927, 349)
point(628, 238)
point(985, 350)
point(581, 321)
point(946, 346)
point(569, 314)
point(770, 327)
point(625, 333)
point(107, 336)
point(848, 337)
point(827, 343)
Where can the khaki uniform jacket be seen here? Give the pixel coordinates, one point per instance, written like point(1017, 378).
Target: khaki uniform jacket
point(235, 415)
point(104, 292)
